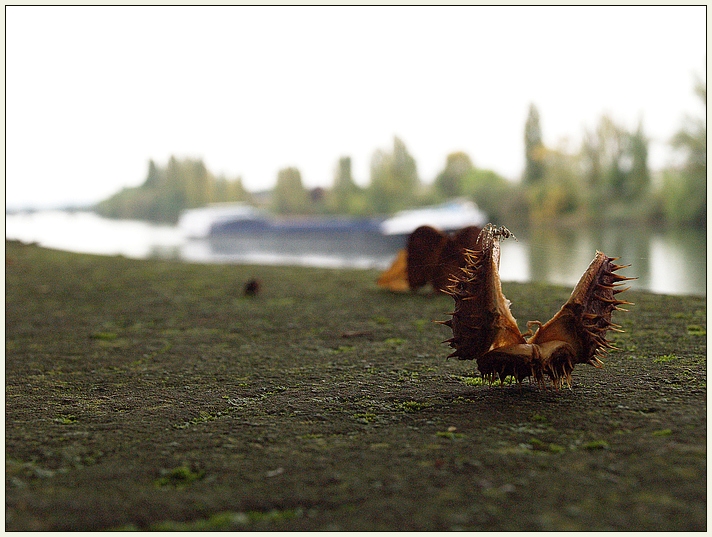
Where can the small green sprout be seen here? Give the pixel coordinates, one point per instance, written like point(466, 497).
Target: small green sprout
point(596, 444)
point(665, 358)
point(177, 478)
point(696, 330)
point(412, 406)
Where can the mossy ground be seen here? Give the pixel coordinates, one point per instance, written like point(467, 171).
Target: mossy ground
point(154, 395)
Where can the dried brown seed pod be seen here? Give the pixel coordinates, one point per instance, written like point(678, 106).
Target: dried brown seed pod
point(395, 278)
point(423, 249)
point(484, 329)
point(452, 257)
point(430, 256)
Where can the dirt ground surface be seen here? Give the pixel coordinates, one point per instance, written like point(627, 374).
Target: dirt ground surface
point(153, 395)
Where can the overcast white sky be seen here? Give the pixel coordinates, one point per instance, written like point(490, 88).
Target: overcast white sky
point(93, 93)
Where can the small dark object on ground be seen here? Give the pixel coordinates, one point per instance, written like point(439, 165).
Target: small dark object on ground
point(252, 287)
point(356, 333)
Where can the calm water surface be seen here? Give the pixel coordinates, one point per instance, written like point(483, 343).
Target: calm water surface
point(670, 261)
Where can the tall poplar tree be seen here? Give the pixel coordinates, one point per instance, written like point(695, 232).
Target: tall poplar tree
point(344, 189)
point(534, 151)
point(448, 183)
point(394, 179)
point(638, 180)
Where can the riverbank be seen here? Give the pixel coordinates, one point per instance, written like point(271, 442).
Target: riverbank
point(667, 261)
point(147, 394)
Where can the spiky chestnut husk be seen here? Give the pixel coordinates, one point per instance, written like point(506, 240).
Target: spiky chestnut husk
point(485, 330)
point(434, 256)
point(481, 320)
point(430, 256)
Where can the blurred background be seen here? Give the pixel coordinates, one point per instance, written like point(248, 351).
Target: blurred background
point(291, 134)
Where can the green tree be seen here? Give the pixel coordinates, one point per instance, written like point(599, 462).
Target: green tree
point(154, 175)
point(405, 171)
point(616, 164)
point(448, 183)
point(638, 179)
point(173, 198)
point(558, 195)
point(168, 191)
point(394, 179)
point(599, 151)
point(198, 183)
point(591, 161)
point(614, 167)
point(692, 137)
point(343, 198)
point(685, 188)
point(534, 151)
point(226, 190)
point(502, 201)
point(289, 195)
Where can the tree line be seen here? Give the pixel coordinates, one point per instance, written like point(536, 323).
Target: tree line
point(167, 191)
point(606, 179)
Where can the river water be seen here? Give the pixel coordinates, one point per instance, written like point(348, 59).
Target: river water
point(664, 261)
